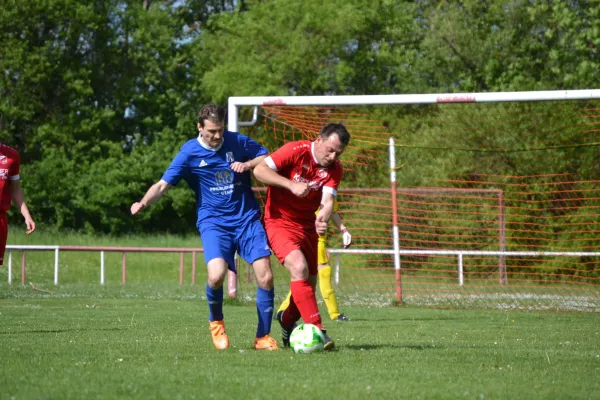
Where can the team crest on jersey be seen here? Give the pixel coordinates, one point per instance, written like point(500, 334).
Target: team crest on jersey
point(229, 156)
point(3, 160)
point(3, 173)
point(322, 173)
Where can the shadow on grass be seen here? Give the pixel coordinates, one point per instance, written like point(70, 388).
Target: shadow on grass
point(424, 346)
point(59, 330)
point(362, 347)
point(402, 319)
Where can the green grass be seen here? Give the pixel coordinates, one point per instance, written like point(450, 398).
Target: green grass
point(125, 346)
point(149, 339)
point(359, 286)
point(78, 267)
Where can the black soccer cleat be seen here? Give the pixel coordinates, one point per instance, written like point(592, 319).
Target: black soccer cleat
point(328, 343)
point(342, 317)
point(285, 332)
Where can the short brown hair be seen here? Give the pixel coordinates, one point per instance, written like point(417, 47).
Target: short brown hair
point(340, 129)
point(213, 113)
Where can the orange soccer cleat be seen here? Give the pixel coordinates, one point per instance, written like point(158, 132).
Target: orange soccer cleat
point(219, 337)
point(265, 343)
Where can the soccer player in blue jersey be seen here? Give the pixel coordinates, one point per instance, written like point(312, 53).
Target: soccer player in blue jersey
point(217, 165)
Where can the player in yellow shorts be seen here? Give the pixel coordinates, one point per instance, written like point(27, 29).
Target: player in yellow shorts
point(325, 286)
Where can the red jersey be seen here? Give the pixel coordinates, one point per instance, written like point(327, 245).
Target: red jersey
point(9, 171)
point(296, 161)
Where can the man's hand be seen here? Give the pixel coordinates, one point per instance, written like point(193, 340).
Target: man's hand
point(346, 238)
point(321, 226)
point(30, 225)
point(300, 189)
point(239, 167)
point(137, 207)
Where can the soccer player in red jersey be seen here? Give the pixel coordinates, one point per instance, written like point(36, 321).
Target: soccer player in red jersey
point(312, 173)
point(10, 189)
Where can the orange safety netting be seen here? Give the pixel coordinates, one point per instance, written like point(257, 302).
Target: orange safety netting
point(521, 179)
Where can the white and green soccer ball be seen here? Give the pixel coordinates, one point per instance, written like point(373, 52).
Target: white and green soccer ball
point(307, 338)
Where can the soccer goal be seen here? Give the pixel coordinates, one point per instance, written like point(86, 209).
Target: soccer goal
point(472, 200)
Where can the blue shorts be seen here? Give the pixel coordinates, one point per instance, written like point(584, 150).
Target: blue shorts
point(249, 240)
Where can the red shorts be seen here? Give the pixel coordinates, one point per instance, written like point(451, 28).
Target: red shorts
point(3, 234)
point(285, 237)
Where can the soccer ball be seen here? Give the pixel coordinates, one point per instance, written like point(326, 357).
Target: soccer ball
point(307, 338)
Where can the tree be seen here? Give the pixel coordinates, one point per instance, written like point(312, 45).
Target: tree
point(510, 46)
point(310, 48)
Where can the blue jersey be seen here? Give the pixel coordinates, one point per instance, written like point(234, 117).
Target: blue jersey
point(223, 197)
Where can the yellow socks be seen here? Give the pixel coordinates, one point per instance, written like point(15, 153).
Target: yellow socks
point(286, 302)
point(327, 292)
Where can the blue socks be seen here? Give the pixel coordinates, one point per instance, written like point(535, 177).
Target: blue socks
point(265, 301)
point(215, 303)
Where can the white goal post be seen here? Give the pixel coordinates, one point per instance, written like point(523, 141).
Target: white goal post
point(235, 103)
point(234, 124)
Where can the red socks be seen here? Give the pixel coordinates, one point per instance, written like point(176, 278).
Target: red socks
point(303, 303)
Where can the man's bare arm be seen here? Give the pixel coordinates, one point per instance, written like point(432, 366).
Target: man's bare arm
point(18, 197)
point(240, 167)
point(324, 213)
point(270, 177)
point(152, 195)
point(337, 220)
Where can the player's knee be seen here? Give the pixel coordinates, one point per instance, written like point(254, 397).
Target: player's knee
point(298, 273)
point(296, 264)
point(326, 294)
point(215, 281)
point(265, 280)
point(298, 269)
point(325, 272)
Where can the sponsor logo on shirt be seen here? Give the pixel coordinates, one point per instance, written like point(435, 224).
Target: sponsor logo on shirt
point(312, 185)
point(224, 183)
point(225, 190)
point(305, 166)
point(3, 160)
point(203, 164)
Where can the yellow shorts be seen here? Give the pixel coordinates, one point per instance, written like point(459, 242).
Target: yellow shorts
point(322, 258)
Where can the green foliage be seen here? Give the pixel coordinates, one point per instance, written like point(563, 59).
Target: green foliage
point(311, 48)
point(495, 45)
point(96, 95)
point(99, 95)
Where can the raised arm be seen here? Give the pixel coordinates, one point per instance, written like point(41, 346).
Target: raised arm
point(240, 167)
point(18, 197)
point(267, 175)
point(152, 195)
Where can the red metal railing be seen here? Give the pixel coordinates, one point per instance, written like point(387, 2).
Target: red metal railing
point(101, 249)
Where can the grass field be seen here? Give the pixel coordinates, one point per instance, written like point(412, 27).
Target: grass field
point(149, 340)
point(125, 345)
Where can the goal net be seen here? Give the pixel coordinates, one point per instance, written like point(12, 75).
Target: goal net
point(461, 200)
